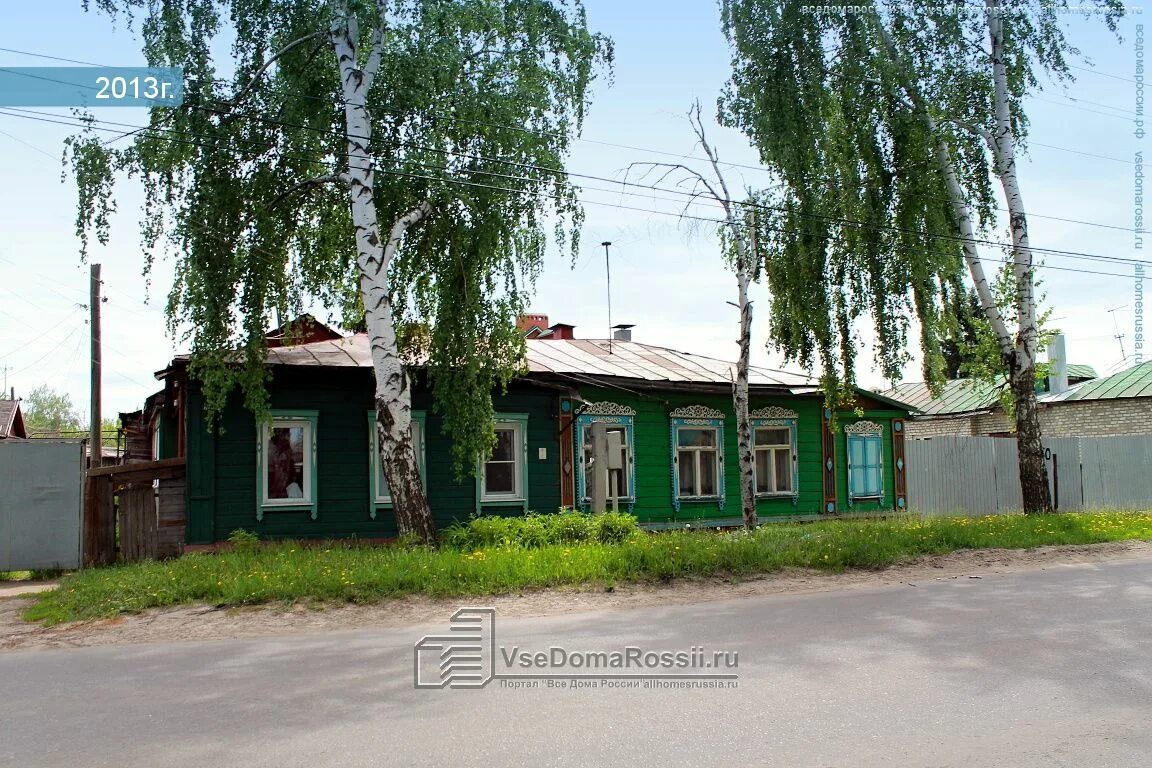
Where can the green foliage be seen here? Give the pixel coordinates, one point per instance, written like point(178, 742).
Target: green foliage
point(244, 541)
point(535, 530)
point(615, 527)
point(867, 229)
point(982, 361)
point(47, 411)
point(349, 572)
point(474, 110)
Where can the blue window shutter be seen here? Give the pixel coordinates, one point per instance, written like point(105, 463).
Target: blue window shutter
point(865, 466)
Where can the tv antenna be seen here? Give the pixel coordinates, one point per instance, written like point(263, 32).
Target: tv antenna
point(608, 272)
point(1118, 335)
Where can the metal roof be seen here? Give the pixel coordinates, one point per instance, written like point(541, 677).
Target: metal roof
point(572, 358)
point(1081, 371)
point(1133, 382)
point(957, 396)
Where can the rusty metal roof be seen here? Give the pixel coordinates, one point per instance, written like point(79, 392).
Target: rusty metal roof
point(571, 358)
point(11, 420)
point(1133, 382)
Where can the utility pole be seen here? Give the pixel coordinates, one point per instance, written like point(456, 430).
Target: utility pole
point(95, 444)
point(608, 271)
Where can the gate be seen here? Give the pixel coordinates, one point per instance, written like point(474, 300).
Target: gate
point(134, 512)
point(40, 482)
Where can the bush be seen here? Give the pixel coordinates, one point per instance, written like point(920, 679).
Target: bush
point(534, 530)
point(615, 527)
point(244, 541)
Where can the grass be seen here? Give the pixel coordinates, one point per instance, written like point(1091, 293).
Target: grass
point(37, 575)
point(350, 573)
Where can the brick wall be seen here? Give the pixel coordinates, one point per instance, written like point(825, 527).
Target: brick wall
point(1075, 418)
point(1086, 418)
point(939, 427)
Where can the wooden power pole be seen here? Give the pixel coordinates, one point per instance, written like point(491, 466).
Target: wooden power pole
point(96, 444)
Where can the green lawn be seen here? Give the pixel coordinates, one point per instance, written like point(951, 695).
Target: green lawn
point(346, 572)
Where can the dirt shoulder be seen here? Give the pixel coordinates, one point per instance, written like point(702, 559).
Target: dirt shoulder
point(208, 623)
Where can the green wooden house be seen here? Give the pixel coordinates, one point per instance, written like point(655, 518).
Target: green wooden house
point(312, 471)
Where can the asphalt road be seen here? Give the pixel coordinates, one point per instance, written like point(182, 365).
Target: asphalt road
point(1041, 668)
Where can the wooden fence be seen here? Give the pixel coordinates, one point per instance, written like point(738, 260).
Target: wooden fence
point(979, 475)
point(134, 512)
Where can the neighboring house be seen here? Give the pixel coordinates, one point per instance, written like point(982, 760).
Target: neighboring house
point(1120, 404)
point(11, 420)
point(312, 471)
point(305, 329)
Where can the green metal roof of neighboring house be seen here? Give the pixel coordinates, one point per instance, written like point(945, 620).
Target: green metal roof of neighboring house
point(957, 396)
point(1081, 371)
point(1133, 382)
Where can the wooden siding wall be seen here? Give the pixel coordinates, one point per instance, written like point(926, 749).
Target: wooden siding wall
point(222, 474)
point(885, 419)
point(653, 455)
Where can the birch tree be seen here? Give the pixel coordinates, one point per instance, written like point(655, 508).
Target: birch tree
point(399, 160)
point(738, 233)
point(891, 124)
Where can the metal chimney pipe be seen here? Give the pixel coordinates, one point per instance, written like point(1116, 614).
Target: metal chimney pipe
point(1058, 365)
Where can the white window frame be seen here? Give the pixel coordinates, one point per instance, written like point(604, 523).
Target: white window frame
point(306, 420)
point(518, 423)
point(772, 450)
point(419, 424)
point(716, 449)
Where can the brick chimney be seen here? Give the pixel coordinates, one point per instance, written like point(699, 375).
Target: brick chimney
point(562, 331)
point(532, 325)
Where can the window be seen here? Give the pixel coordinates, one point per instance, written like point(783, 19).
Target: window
point(773, 466)
point(287, 462)
point(697, 455)
point(698, 462)
point(501, 478)
point(617, 420)
point(381, 495)
point(619, 485)
point(156, 439)
point(865, 461)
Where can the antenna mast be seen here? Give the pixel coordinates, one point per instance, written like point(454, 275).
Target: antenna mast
point(608, 272)
point(1119, 336)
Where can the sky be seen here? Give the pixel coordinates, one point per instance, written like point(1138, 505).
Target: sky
point(667, 277)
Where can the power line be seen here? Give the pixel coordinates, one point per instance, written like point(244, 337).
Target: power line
point(39, 337)
point(1084, 109)
point(1095, 71)
point(43, 357)
point(632, 148)
point(1126, 161)
point(831, 219)
point(683, 215)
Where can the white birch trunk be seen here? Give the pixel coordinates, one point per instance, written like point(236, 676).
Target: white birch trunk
point(744, 435)
point(961, 210)
point(393, 396)
point(745, 261)
point(1022, 361)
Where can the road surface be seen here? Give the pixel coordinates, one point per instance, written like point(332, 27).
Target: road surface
point(1041, 668)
